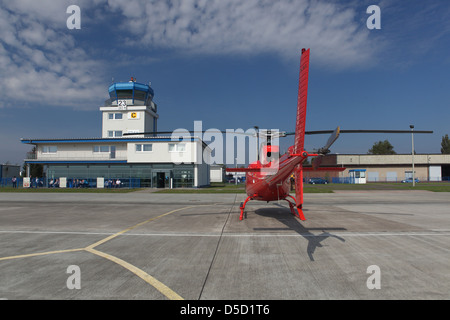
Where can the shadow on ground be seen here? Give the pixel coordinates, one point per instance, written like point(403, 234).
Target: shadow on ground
point(284, 215)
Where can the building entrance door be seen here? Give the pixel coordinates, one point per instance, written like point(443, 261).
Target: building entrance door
point(160, 179)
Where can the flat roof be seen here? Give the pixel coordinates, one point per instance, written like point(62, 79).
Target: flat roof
point(117, 139)
point(77, 161)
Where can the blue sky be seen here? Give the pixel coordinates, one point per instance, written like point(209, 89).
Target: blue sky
point(231, 64)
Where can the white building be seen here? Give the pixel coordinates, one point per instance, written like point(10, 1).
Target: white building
point(217, 173)
point(144, 160)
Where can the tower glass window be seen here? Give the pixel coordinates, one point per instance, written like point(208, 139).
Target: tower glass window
point(124, 94)
point(139, 95)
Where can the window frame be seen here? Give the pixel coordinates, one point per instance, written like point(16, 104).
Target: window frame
point(49, 149)
point(101, 148)
point(142, 147)
point(115, 116)
point(115, 133)
point(176, 147)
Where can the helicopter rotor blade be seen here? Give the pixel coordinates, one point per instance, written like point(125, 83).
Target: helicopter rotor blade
point(360, 131)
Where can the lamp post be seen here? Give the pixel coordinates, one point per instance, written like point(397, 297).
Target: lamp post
point(412, 155)
point(257, 142)
point(236, 175)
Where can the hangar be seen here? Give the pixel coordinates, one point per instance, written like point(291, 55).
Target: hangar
point(394, 168)
point(136, 160)
point(387, 168)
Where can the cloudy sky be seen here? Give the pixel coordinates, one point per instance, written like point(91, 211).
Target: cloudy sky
point(229, 63)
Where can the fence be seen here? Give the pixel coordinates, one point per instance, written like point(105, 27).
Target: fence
point(147, 183)
point(7, 182)
point(130, 183)
point(348, 180)
point(77, 183)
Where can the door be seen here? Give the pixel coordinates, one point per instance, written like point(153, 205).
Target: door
point(160, 179)
point(435, 173)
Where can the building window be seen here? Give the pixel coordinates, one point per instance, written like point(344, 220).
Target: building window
point(147, 147)
point(115, 116)
point(113, 134)
point(49, 149)
point(183, 178)
point(360, 174)
point(101, 149)
point(139, 95)
point(125, 94)
point(177, 147)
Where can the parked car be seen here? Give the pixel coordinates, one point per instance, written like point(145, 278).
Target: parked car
point(317, 181)
point(409, 180)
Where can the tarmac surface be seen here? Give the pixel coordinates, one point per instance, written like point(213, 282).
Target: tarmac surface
point(143, 245)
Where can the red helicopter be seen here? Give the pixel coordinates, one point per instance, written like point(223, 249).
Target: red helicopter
point(269, 180)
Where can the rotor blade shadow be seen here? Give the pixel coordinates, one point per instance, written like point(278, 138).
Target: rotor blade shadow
point(284, 215)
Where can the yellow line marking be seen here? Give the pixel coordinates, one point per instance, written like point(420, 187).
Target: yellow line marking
point(135, 226)
point(161, 287)
point(166, 291)
point(40, 254)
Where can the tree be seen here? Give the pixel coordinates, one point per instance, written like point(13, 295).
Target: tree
point(445, 144)
point(382, 147)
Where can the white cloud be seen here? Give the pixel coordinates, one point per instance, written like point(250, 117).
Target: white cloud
point(336, 34)
point(40, 62)
point(38, 51)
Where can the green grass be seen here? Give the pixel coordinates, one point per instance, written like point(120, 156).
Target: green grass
point(321, 188)
point(316, 189)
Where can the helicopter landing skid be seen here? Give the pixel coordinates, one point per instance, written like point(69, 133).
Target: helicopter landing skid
point(299, 210)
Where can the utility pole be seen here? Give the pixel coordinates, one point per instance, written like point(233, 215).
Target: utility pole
point(412, 155)
point(257, 142)
point(235, 176)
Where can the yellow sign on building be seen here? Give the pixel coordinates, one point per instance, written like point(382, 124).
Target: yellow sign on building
point(133, 115)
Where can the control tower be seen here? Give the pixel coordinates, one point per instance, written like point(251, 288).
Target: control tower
point(129, 109)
